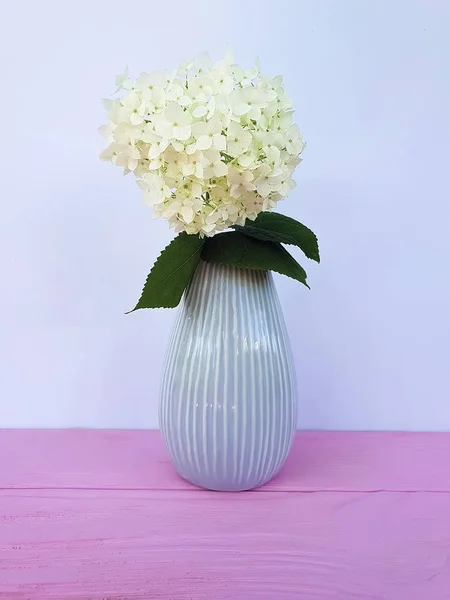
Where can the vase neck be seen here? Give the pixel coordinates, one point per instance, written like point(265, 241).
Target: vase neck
point(236, 275)
point(212, 282)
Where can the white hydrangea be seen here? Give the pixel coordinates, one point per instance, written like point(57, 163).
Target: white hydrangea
point(211, 145)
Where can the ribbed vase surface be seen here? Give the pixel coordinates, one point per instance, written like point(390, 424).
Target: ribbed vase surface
point(228, 405)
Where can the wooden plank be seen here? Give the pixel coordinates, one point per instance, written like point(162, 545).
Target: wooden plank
point(180, 545)
point(137, 460)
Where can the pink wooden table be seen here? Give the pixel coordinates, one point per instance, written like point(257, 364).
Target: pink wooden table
point(101, 515)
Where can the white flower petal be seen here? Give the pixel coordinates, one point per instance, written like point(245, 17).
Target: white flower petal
point(108, 104)
point(106, 154)
point(154, 151)
point(204, 142)
point(182, 132)
point(173, 112)
point(241, 109)
point(178, 146)
point(220, 142)
point(187, 212)
point(164, 129)
point(120, 78)
point(121, 160)
point(220, 169)
point(199, 111)
point(136, 119)
point(191, 148)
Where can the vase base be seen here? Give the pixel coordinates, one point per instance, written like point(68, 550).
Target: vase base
point(226, 486)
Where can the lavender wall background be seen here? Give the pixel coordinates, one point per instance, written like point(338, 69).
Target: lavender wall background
point(371, 82)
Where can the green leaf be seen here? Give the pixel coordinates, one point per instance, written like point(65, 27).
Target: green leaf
point(238, 250)
point(274, 227)
point(171, 273)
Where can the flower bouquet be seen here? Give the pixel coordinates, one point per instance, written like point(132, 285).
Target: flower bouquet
point(213, 148)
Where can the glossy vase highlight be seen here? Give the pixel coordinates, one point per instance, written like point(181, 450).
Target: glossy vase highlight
point(228, 407)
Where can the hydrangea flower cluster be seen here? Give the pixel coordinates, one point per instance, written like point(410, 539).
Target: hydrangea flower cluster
point(211, 145)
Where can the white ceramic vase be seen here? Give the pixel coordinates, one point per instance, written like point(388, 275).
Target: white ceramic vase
point(228, 406)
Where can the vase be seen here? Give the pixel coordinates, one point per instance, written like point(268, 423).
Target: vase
point(228, 404)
